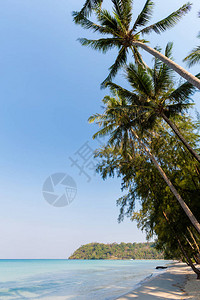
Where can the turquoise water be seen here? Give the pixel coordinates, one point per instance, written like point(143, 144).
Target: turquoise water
point(72, 279)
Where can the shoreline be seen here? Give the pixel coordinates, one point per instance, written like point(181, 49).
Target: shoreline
point(178, 281)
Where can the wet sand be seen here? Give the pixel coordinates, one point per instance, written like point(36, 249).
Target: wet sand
point(178, 282)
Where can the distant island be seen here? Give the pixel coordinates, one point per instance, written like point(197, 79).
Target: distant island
point(117, 251)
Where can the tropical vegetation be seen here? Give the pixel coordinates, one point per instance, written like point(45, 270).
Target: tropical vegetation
point(117, 251)
point(152, 142)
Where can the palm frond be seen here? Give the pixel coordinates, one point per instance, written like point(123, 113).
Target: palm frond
point(109, 101)
point(104, 131)
point(102, 44)
point(86, 10)
point(94, 118)
point(127, 12)
point(168, 50)
point(116, 138)
point(173, 109)
point(107, 20)
point(125, 143)
point(131, 98)
point(194, 57)
point(119, 62)
point(144, 16)
point(155, 71)
point(148, 122)
point(123, 13)
point(183, 92)
point(164, 80)
point(138, 58)
point(87, 24)
point(139, 79)
point(169, 21)
point(122, 8)
point(162, 74)
point(118, 7)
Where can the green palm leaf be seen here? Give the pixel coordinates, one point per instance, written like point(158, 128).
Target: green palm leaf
point(138, 58)
point(87, 8)
point(87, 24)
point(183, 92)
point(194, 57)
point(139, 80)
point(131, 97)
point(94, 118)
point(119, 62)
point(162, 74)
point(148, 122)
point(107, 20)
point(145, 15)
point(173, 109)
point(122, 10)
point(104, 131)
point(102, 44)
point(169, 21)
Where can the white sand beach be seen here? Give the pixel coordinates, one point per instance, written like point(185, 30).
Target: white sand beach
point(178, 282)
point(192, 286)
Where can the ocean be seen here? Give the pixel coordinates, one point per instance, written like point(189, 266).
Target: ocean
point(73, 279)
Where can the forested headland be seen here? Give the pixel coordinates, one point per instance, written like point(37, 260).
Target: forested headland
point(117, 251)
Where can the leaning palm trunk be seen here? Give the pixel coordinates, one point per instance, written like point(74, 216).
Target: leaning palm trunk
point(188, 259)
point(191, 246)
point(177, 132)
point(194, 240)
point(181, 71)
point(172, 188)
point(195, 253)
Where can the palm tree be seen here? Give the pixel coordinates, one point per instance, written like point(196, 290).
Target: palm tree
point(122, 34)
point(116, 121)
point(155, 96)
point(194, 57)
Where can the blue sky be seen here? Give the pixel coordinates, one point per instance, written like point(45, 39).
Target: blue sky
point(49, 88)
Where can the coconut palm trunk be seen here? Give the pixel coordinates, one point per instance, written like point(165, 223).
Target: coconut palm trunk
point(195, 254)
point(177, 132)
point(181, 71)
point(194, 240)
point(170, 185)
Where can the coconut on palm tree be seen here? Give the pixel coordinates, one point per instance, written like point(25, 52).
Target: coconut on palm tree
point(119, 32)
point(117, 121)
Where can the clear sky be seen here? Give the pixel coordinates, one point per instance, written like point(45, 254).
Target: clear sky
point(49, 88)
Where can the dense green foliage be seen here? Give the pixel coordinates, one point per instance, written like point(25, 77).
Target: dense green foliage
point(117, 251)
point(152, 142)
point(142, 182)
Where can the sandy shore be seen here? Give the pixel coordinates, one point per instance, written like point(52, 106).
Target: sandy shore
point(178, 282)
point(192, 286)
